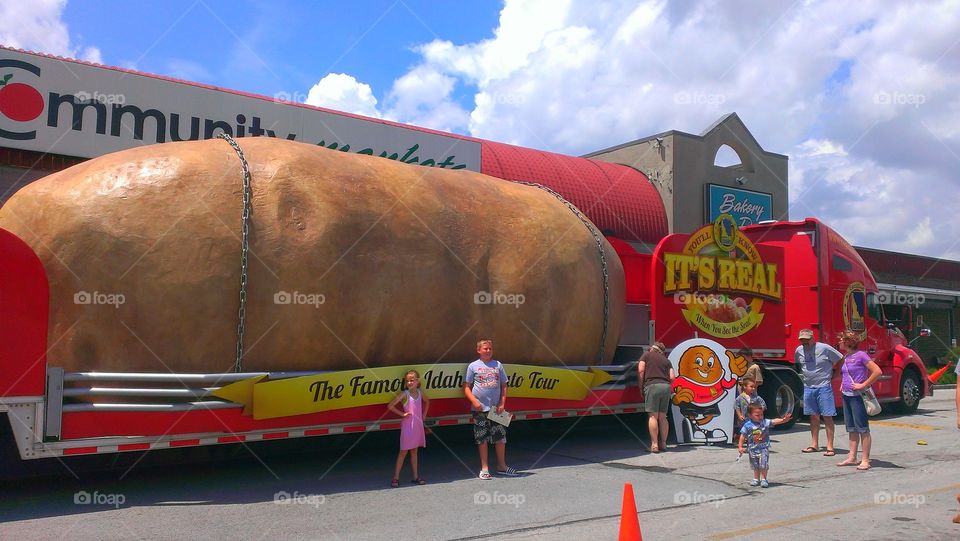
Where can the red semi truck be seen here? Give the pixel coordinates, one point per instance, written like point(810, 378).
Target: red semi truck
point(755, 286)
point(758, 286)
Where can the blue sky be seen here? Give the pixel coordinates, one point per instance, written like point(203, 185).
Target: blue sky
point(862, 96)
point(269, 47)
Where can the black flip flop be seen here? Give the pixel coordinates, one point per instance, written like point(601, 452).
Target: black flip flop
point(810, 449)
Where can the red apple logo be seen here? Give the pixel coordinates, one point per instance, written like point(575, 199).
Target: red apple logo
point(18, 101)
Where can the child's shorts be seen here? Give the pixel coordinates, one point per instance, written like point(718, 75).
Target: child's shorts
point(487, 431)
point(759, 458)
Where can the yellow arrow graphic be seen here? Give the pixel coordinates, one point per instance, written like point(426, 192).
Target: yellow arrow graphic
point(267, 399)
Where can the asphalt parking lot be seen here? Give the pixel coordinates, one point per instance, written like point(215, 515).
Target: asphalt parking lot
point(338, 488)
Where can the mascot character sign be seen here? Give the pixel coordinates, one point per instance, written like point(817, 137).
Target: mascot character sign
point(704, 392)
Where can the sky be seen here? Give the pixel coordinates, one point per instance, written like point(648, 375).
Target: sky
point(864, 97)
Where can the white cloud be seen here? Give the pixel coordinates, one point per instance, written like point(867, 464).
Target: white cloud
point(864, 96)
point(877, 206)
point(344, 93)
point(818, 147)
point(422, 97)
point(38, 26)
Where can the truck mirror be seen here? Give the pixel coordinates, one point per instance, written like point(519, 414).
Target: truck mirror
point(906, 317)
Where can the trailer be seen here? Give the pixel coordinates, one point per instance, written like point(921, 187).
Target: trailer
point(792, 275)
point(53, 413)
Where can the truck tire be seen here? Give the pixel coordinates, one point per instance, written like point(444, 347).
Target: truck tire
point(783, 393)
point(910, 392)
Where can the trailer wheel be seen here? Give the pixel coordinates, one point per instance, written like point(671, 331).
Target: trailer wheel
point(910, 391)
point(782, 392)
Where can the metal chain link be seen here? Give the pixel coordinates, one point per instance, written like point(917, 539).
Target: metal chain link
point(598, 237)
point(244, 248)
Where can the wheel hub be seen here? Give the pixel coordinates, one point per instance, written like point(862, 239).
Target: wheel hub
point(911, 392)
point(785, 400)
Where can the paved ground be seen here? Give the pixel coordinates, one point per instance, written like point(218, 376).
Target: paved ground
point(336, 488)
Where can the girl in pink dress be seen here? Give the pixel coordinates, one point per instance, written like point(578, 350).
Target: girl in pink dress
point(412, 437)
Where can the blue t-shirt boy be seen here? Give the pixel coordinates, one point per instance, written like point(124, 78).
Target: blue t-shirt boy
point(757, 434)
point(485, 380)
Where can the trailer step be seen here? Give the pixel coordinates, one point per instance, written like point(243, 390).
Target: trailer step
point(89, 446)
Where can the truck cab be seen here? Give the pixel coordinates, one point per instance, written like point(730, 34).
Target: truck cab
point(757, 286)
point(829, 288)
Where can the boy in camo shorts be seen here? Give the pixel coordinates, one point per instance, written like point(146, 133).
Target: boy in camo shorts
point(485, 386)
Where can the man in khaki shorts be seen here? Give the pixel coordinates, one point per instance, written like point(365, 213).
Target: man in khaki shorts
point(655, 373)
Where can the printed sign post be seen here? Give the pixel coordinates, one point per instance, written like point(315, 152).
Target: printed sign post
point(704, 391)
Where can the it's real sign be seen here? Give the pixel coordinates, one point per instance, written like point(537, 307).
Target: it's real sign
point(717, 282)
point(71, 108)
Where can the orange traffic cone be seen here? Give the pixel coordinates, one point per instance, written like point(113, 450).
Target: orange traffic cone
point(629, 521)
point(936, 375)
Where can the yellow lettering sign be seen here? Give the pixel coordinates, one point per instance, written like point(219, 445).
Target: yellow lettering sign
point(268, 399)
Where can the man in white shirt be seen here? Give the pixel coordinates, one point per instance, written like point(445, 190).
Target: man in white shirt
point(817, 361)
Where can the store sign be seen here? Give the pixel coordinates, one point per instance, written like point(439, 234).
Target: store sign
point(66, 107)
point(747, 207)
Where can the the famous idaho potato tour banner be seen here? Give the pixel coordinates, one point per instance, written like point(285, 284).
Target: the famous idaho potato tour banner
point(267, 399)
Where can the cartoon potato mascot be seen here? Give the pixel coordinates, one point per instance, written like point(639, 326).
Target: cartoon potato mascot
point(700, 386)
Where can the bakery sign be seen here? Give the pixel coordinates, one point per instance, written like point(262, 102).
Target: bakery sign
point(747, 207)
point(720, 279)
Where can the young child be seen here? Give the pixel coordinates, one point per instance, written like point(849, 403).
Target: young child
point(754, 371)
point(485, 386)
point(747, 396)
point(412, 437)
point(755, 434)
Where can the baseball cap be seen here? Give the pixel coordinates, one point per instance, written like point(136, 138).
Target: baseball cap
point(806, 334)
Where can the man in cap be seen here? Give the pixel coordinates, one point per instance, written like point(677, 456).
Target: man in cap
point(817, 361)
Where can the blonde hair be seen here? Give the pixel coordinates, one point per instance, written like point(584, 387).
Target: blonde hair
point(415, 373)
point(484, 341)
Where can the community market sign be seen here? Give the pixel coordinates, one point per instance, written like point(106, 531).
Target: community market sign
point(72, 108)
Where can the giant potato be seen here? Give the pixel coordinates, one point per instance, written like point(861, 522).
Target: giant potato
point(355, 261)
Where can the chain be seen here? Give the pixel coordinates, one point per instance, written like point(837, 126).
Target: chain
point(603, 258)
point(244, 248)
